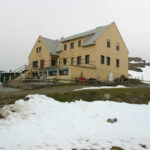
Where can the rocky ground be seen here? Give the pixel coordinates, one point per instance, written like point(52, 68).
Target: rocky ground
point(135, 63)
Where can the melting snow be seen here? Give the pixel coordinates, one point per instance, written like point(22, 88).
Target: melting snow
point(42, 123)
point(100, 87)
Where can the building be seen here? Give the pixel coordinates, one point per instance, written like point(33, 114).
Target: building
point(99, 53)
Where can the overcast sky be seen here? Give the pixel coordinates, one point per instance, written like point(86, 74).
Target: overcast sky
point(22, 21)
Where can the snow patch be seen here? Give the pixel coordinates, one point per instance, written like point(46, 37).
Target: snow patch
point(100, 87)
point(46, 124)
point(135, 62)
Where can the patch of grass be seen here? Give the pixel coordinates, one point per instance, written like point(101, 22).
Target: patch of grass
point(128, 95)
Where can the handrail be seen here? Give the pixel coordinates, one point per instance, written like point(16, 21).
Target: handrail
point(22, 68)
point(18, 68)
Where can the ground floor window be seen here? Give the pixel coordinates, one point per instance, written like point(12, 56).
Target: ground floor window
point(87, 59)
point(78, 60)
point(64, 71)
point(117, 62)
point(102, 59)
point(108, 61)
point(52, 72)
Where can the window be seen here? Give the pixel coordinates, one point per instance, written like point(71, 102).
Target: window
point(79, 43)
point(53, 63)
point(108, 43)
point(65, 61)
point(87, 59)
point(52, 73)
point(40, 49)
point(102, 59)
point(117, 47)
point(64, 71)
point(35, 64)
point(65, 47)
point(117, 62)
point(71, 60)
point(71, 45)
point(37, 49)
point(108, 60)
point(78, 60)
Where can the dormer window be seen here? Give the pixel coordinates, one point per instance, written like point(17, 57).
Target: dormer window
point(108, 43)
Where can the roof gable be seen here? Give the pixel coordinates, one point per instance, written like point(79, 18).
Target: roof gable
point(53, 46)
point(89, 37)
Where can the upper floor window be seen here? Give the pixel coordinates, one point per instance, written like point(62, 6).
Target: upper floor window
point(102, 59)
point(108, 60)
point(35, 64)
point(78, 60)
point(108, 43)
point(117, 63)
point(87, 59)
point(65, 61)
point(65, 47)
point(38, 49)
point(79, 43)
point(72, 45)
point(117, 47)
point(72, 60)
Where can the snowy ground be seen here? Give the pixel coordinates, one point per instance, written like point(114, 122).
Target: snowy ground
point(100, 87)
point(145, 75)
point(41, 123)
point(135, 62)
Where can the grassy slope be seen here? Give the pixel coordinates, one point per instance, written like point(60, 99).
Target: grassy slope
point(129, 95)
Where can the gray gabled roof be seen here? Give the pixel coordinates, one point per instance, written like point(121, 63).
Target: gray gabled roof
point(89, 37)
point(53, 46)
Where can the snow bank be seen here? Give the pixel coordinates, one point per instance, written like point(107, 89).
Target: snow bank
point(41, 123)
point(100, 87)
point(135, 62)
point(145, 75)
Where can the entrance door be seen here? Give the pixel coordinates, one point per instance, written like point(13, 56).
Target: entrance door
point(111, 76)
point(42, 64)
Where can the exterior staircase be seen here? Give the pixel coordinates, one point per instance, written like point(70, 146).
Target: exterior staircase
point(25, 69)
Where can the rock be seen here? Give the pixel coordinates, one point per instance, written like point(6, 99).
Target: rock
point(112, 120)
point(143, 146)
point(107, 96)
point(116, 148)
